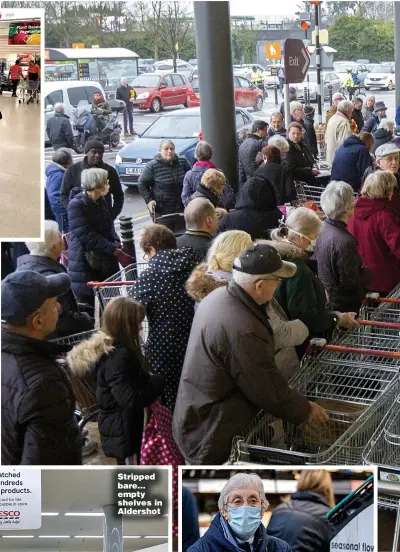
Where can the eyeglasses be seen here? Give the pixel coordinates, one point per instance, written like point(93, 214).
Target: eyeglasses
point(238, 502)
point(271, 279)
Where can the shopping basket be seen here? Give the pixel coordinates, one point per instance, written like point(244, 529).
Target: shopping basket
point(84, 389)
point(391, 503)
point(354, 415)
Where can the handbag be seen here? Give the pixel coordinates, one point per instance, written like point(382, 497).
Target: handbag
point(99, 262)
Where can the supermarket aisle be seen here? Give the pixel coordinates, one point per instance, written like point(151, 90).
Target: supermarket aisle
point(20, 160)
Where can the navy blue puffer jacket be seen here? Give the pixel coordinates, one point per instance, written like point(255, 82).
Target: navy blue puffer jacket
point(351, 160)
point(91, 230)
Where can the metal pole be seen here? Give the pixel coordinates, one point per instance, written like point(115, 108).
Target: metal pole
point(214, 58)
point(287, 105)
point(308, 80)
point(318, 62)
point(396, 538)
point(276, 93)
point(127, 237)
point(397, 48)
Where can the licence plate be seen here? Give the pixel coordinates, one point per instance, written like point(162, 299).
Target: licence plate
point(134, 170)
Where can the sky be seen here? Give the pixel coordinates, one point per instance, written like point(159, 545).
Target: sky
point(265, 7)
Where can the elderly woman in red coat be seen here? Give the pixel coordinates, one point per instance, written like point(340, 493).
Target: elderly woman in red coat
point(376, 226)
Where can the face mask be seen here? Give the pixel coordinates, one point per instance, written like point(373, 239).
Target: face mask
point(311, 247)
point(312, 242)
point(245, 521)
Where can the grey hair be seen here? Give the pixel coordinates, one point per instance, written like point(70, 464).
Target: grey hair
point(91, 179)
point(344, 105)
point(59, 108)
point(124, 79)
point(302, 220)
point(371, 97)
point(379, 185)
point(356, 100)
point(196, 211)
point(163, 142)
point(203, 151)
point(337, 97)
point(51, 237)
point(295, 105)
point(241, 481)
point(279, 142)
point(337, 199)
point(276, 114)
point(62, 156)
point(242, 279)
point(387, 124)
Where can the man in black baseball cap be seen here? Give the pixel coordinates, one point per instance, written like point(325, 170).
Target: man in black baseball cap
point(229, 373)
point(38, 421)
point(94, 150)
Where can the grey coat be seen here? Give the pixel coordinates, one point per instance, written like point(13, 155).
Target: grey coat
point(229, 374)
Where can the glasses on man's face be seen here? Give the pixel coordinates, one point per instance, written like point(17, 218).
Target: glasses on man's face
point(238, 502)
point(272, 279)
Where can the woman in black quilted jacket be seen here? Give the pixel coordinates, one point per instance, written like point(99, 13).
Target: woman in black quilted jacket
point(161, 182)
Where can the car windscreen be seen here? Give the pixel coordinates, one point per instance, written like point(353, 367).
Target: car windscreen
point(174, 127)
point(145, 81)
point(381, 69)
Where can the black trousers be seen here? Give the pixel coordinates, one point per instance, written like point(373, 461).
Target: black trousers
point(15, 84)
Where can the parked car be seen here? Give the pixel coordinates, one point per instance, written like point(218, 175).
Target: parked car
point(329, 80)
point(148, 61)
point(246, 94)
point(192, 62)
point(360, 69)
point(270, 80)
point(157, 91)
point(247, 70)
point(66, 71)
point(167, 66)
point(181, 126)
point(70, 93)
point(381, 76)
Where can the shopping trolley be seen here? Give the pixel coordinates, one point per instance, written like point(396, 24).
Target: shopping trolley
point(29, 88)
point(306, 192)
point(356, 400)
point(385, 309)
point(391, 503)
point(383, 450)
point(84, 389)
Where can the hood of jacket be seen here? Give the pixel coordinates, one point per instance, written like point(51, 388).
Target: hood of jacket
point(309, 496)
point(203, 166)
point(352, 141)
point(382, 133)
point(33, 262)
point(61, 116)
point(202, 282)
point(54, 168)
point(288, 251)
point(174, 261)
point(366, 207)
point(257, 193)
point(84, 356)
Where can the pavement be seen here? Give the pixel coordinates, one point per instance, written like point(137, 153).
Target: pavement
point(134, 204)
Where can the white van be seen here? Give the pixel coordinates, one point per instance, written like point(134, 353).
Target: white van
point(70, 93)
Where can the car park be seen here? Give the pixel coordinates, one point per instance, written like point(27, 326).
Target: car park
point(381, 76)
point(330, 82)
point(245, 92)
point(167, 66)
point(359, 69)
point(157, 91)
point(182, 126)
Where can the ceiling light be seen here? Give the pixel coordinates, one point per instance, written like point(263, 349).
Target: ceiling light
point(88, 536)
point(18, 537)
point(157, 537)
point(50, 514)
point(54, 537)
point(99, 514)
point(133, 537)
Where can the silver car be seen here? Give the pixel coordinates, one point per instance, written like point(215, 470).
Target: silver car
point(329, 80)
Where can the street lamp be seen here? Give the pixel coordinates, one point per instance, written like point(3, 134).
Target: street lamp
point(316, 4)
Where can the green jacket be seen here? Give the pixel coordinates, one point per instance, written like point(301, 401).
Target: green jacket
point(303, 295)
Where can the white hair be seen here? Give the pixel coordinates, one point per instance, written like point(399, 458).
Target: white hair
point(337, 199)
point(59, 108)
point(337, 97)
point(51, 238)
point(387, 124)
point(242, 481)
point(124, 79)
point(344, 106)
point(301, 220)
point(295, 105)
point(242, 279)
point(279, 142)
point(62, 156)
point(93, 178)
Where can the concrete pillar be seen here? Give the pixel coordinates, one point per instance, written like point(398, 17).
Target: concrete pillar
point(397, 47)
point(214, 59)
point(113, 540)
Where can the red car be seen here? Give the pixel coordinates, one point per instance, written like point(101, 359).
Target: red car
point(157, 91)
point(246, 94)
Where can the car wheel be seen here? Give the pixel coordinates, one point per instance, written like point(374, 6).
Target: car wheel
point(366, 87)
point(155, 106)
point(185, 103)
point(115, 142)
point(390, 85)
point(259, 104)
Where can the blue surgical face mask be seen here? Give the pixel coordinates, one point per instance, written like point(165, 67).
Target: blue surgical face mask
point(245, 521)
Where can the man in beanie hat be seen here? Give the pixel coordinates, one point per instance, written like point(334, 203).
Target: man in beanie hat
point(94, 150)
point(229, 373)
point(373, 122)
point(38, 421)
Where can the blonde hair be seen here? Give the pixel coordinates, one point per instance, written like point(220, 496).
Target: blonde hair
point(225, 248)
point(301, 220)
point(317, 481)
point(379, 185)
point(213, 180)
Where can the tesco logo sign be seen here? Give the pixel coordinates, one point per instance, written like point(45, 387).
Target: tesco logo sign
point(10, 513)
